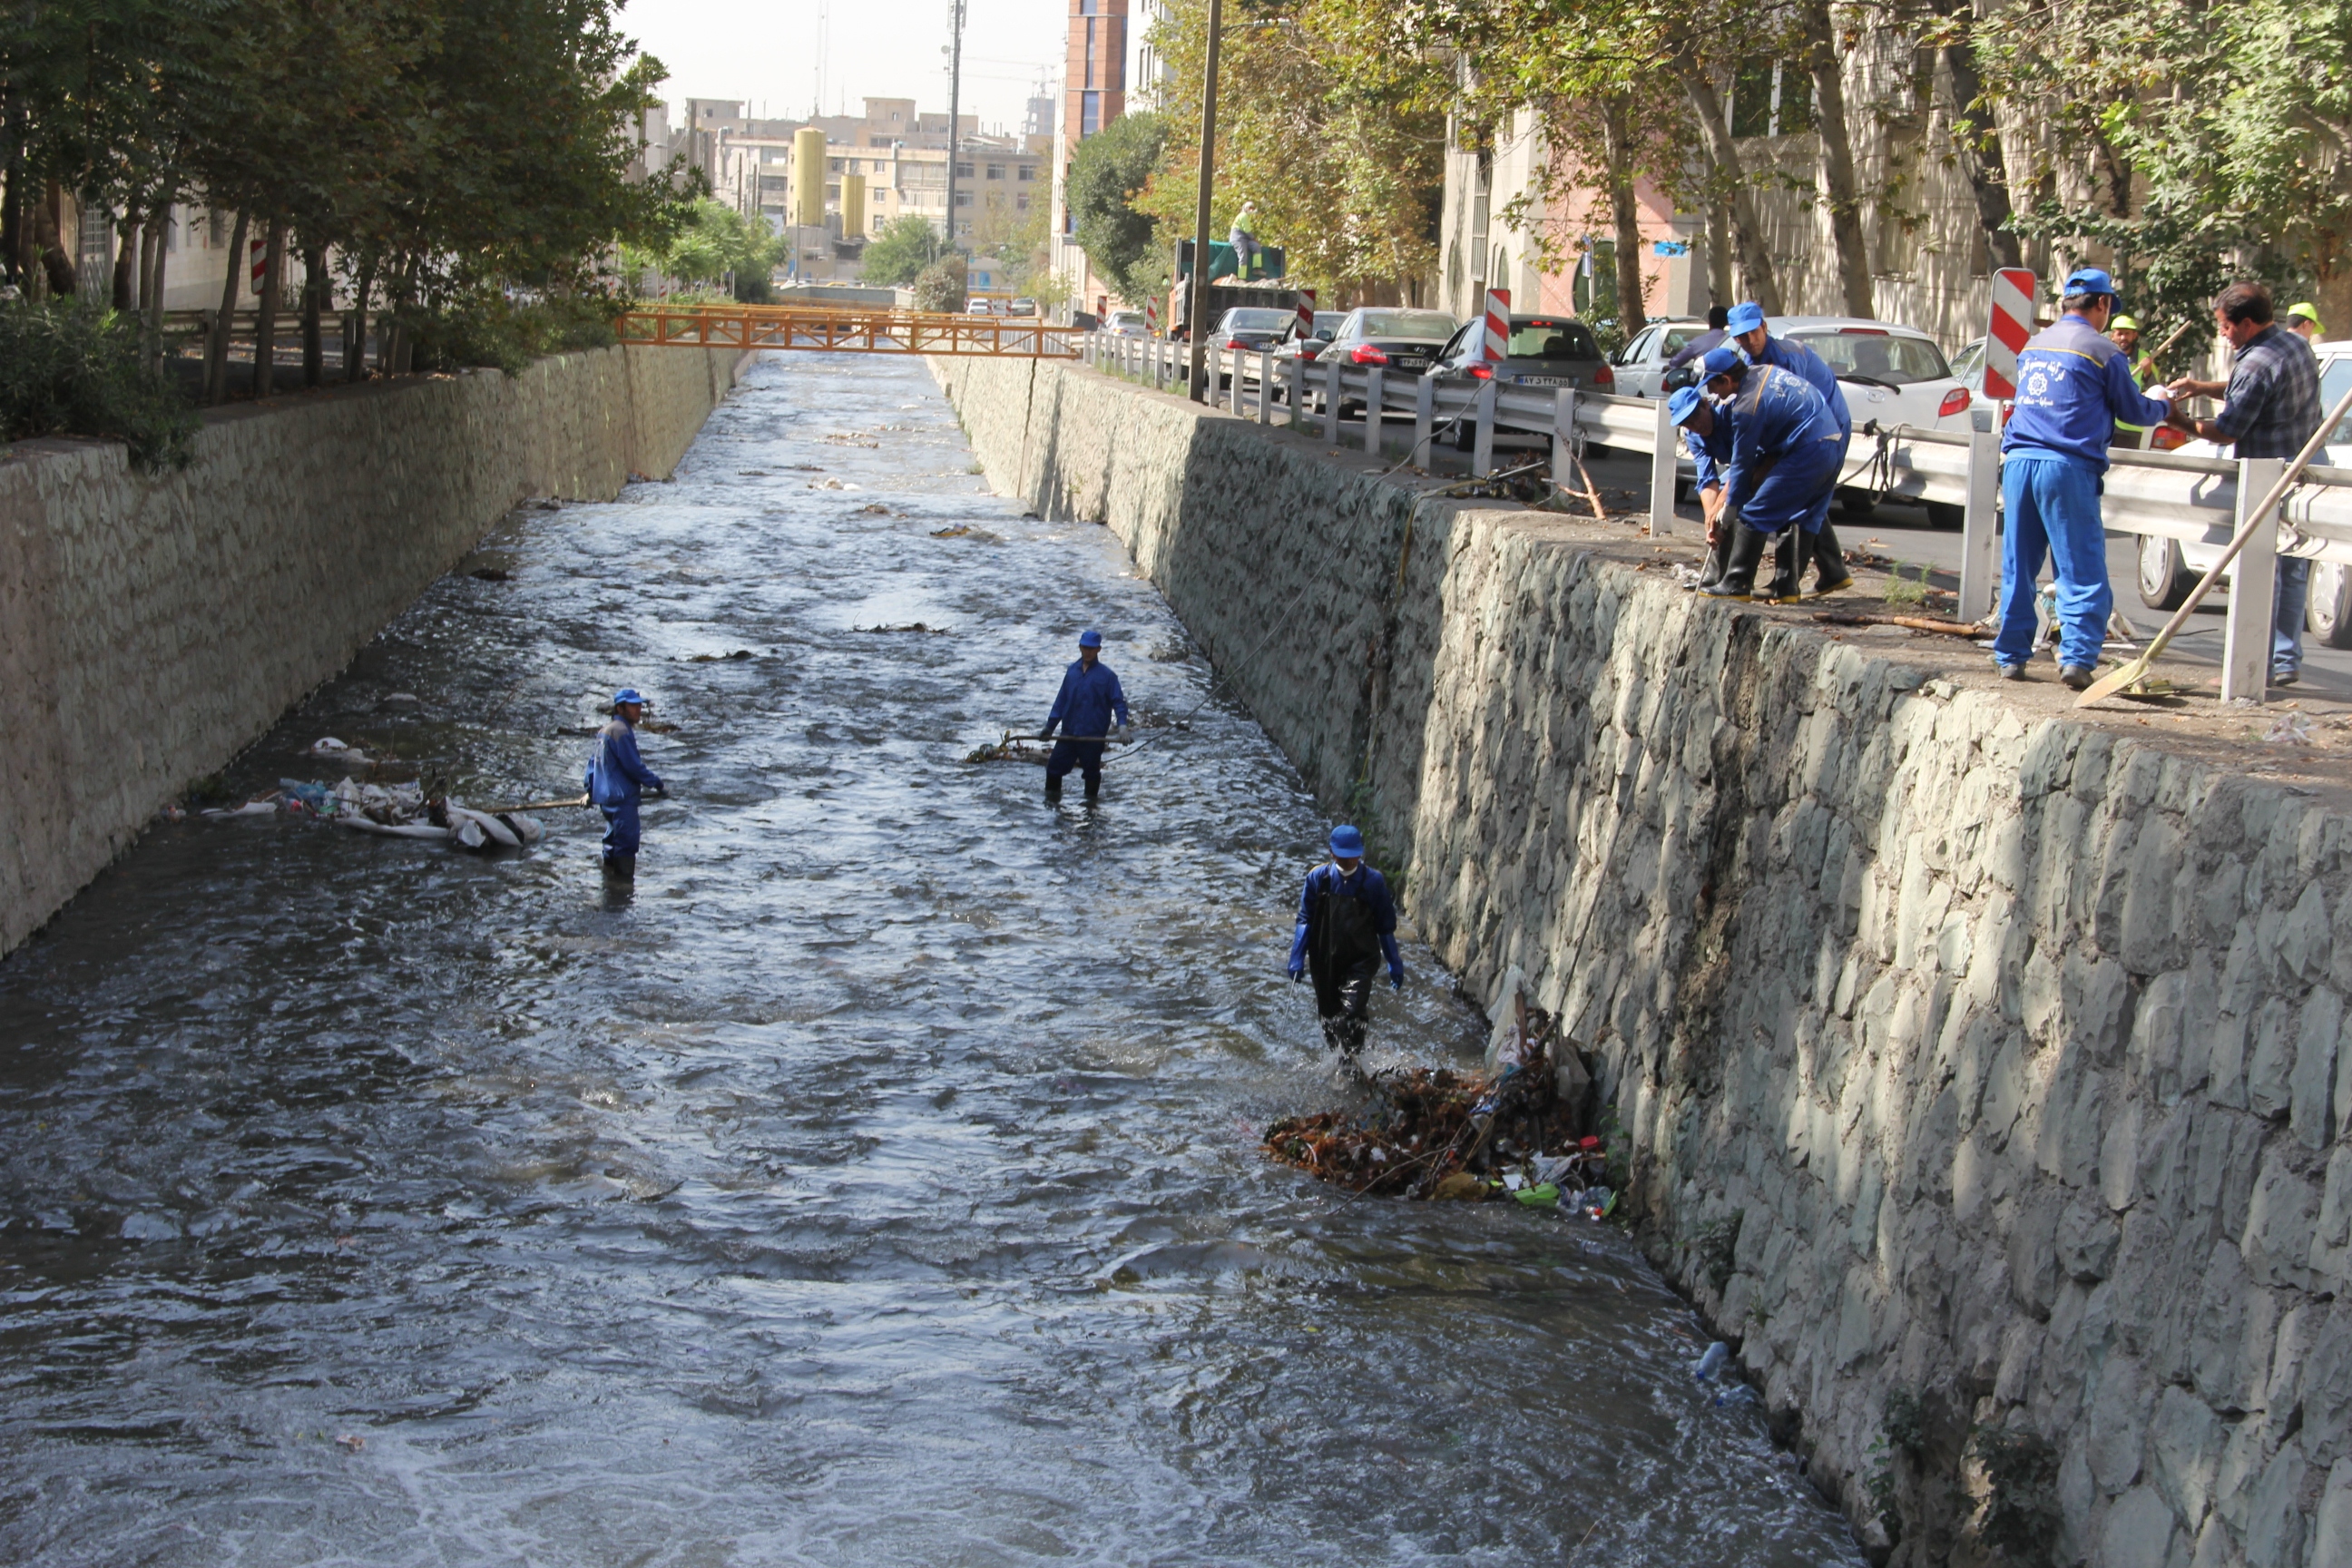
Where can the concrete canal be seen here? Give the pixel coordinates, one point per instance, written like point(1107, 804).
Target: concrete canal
point(879, 1184)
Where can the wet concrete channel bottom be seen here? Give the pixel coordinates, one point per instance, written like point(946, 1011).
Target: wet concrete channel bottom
point(879, 1184)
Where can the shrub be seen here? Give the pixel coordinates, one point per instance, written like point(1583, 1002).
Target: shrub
point(68, 368)
point(489, 330)
point(941, 286)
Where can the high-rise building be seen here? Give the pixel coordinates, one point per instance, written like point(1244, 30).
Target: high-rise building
point(1109, 64)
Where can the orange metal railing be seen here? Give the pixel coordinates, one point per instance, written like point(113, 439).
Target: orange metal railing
point(841, 330)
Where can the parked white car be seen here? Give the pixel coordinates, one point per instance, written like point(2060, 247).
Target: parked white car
point(1128, 324)
point(1641, 365)
point(2169, 569)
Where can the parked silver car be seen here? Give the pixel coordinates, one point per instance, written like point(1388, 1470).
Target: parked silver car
point(1641, 365)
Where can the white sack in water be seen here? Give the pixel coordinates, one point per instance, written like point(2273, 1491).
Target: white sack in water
point(395, 830)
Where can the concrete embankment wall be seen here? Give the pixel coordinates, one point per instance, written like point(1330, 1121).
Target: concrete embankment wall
point(150, 626)
point(1985, 1067)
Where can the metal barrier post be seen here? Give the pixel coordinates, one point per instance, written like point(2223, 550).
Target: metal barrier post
point(1424, 419)
point(1298, 391)
point(1979, 552)
point(1265, 386)
point(1563, 436)
point(1481, 451)
point(1666, 453)
point(1373, 391)
point(1159, 363)
point(2246, 641)
point(1331, 403)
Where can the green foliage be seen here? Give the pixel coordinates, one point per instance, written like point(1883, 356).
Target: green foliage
point(1902, 591)
point(901, 252)
point(713, 241)
point(1109, 171)
point(2021, 1515)
point(71, 369)
point(487, 329)
point(941, 286)
point(1715, 1247)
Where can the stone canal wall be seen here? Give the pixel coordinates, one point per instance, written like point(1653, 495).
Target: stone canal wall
point(150, 626)
point(1985, 1067)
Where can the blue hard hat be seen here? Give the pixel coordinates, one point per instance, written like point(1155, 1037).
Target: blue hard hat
point(1746, 316)
point(2089, 280)
point(1725, 360)
point(1347, 843)
point(1684, 403)
point(1090, 638)
point(627, 694)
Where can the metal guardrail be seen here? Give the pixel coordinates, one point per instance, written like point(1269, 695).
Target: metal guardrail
point(847, 330)
point(2198, 500)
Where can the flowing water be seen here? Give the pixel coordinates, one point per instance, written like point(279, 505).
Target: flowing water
point(879, 1184)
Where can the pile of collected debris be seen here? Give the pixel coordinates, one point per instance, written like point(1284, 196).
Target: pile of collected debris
point(392, 810)
point(1517, 1131)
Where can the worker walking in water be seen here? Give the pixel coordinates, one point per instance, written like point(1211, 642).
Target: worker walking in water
point(1091, 700)
point(1347, 925)
point(616, 776)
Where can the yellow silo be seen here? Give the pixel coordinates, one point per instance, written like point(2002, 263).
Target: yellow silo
point(808, 177)
point(853, 206)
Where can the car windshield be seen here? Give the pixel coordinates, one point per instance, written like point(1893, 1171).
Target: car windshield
point(1407, 324)
point(1327, 321)
point(1256, 320)
point(1546, 338)
point(1881, 356)
point(1677, 339)
point(2332, 383)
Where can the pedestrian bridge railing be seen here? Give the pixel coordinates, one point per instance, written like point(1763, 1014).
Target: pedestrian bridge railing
point(839, 329)
point(2194, 500)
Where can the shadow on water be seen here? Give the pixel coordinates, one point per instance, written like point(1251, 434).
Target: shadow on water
point(878, 1183)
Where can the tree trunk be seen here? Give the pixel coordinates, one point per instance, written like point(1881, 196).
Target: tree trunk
point(217, 351)
point(1627, 213)
point(150, 246)
point(1837, 160)
point(12, 200)
point(48, 233)
point(156, 234)
point(314, 287)
point(355, 345)
point(1747, 235)
point(1978, 138)
point(265, 311)
point(126, 262)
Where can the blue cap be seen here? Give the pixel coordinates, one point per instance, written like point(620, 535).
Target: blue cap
point(1746, 316)
point(1090, 638)
point(1684, 403)
point(627, 694)
point(1725, 360)
point(1347, 844)
point(2089, 280)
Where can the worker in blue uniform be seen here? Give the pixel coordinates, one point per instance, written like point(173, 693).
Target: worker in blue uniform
point(1780, 471)
point(1089, 700)
point(616, 777)
point(1710, 453)
point(1746, 328)
point(1347, 925)
point(2074, 387)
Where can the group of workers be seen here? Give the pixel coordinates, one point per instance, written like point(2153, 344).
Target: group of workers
point(1767, 426)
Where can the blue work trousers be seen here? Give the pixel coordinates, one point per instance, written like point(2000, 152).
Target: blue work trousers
point(620, 830)
point(1087, 756)
point(2051, 507)
point(2292, 596)
point(1796, 491)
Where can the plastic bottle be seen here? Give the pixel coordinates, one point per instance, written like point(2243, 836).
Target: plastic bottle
point(1712, 1363)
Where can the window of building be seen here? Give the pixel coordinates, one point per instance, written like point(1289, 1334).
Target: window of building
point(1027, 172)
point(964, 198)
point(835, 165)
point(1021, 201)
point(996, 171)
point(833, 192)
point(215, 227)
point(963, 227)
point(963, 171)
point(1771, 99)
point(1089, 113)
point(1086, 7)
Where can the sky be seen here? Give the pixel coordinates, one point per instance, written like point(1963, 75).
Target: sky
point(764, 52)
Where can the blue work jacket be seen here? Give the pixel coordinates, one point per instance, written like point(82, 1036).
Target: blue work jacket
point(1818, 376)
point(1087, 699)
point(1779, 423)
point(1364, 884)
point(616, 773)
point(2074, 387)
point(1710, 452)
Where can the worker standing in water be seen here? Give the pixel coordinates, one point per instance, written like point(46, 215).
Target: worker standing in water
point(616, 777)
point(1089, 700)
point(1347, 925)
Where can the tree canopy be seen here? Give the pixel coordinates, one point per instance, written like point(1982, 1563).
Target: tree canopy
point(899, 253)
point(1108, 173)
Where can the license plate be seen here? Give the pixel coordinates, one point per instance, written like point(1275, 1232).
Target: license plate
point(1543, 380)
point(1402, 362)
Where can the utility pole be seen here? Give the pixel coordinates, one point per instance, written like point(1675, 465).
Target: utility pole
point(955, 106)
point(1195, 385)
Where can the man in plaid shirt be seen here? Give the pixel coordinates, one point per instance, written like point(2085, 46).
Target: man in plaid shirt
point(2269, 408)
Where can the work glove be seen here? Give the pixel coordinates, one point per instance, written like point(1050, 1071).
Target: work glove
point(1047, 734)
point(1396, 976)
point(1297, 972)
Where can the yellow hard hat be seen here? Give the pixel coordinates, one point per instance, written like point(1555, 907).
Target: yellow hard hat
point(2123, 324)
point(2306, 309)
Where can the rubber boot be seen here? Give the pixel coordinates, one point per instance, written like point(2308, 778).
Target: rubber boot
point(1738, 574)
point(1094, 788)
point(1711, 569)
point(621, 867)
point(1788, 569)
point(1831, 575)
point(1052, 787)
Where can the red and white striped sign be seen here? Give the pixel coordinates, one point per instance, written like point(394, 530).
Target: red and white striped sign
point(261, 249)
point(1306, 313)
point(1151, 315)
point(1499, 325)
point(2013, 288)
